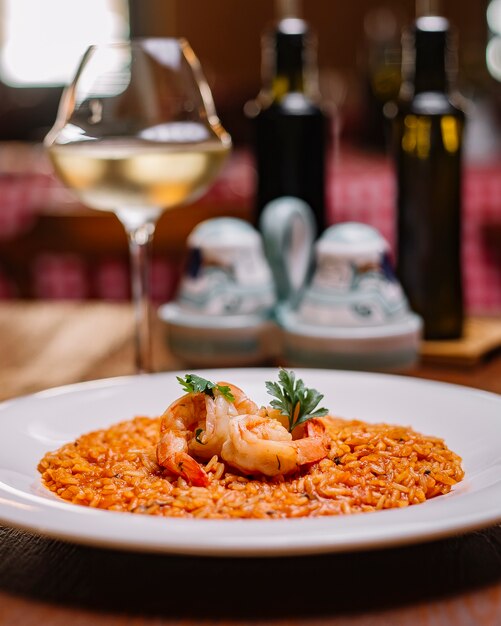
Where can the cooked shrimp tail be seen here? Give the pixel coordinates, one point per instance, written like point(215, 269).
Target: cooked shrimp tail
point(172, 453)
point(313, 447)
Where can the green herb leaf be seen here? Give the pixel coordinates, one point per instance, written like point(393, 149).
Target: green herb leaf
point(293, 399)
point(193, 383)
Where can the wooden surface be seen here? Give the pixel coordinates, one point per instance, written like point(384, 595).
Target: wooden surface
point(481, 336)
point(454, 582)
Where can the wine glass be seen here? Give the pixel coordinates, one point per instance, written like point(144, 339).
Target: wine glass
point(137, 134)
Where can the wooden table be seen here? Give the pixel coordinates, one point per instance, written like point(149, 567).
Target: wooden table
point(43, 581)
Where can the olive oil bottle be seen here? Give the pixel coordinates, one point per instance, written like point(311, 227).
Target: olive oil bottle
point(428, 136)
point(290, 128)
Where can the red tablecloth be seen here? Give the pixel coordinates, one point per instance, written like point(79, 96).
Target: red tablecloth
point(361, 187)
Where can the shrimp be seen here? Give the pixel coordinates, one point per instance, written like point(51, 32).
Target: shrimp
point(197, 423)
point(177, 425)
point(172, 453)
point(242, 403)
point(261, 444)
point(210, 439)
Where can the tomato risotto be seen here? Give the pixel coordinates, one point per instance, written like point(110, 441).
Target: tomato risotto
point(367, 467)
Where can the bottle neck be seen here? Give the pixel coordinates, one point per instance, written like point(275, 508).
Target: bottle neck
point(430, 71)
point(429, 57)
point(288, 74)
point(289, 61)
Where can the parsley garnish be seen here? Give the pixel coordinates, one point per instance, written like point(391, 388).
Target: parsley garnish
point(194, 383)
point(293, 399)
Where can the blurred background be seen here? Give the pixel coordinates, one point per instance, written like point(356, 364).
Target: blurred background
point(51, 247)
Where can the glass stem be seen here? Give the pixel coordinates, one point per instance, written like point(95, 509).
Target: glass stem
point(139, 246)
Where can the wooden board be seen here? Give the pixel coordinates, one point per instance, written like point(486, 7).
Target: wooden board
point(482, 335)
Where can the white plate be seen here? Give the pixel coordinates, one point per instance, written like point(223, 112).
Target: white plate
point(469, 420)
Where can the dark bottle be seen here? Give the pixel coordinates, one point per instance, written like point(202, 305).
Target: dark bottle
point(289, 126)
point(429, 128)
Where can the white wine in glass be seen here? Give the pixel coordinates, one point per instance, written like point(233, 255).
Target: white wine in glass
point(137, 134)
